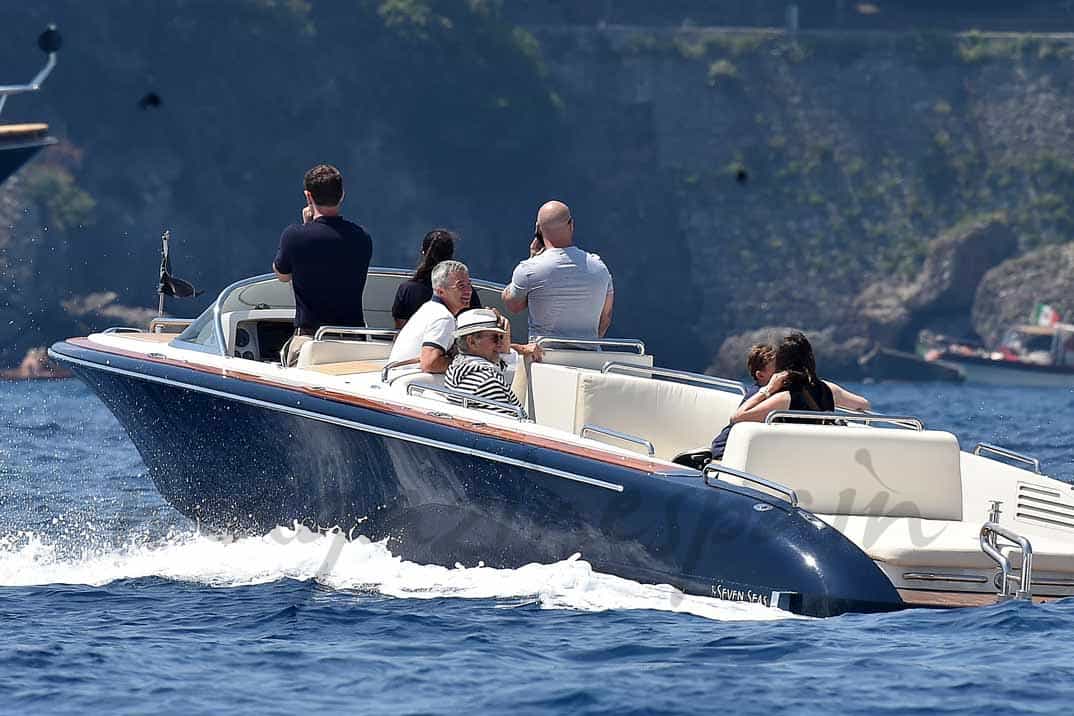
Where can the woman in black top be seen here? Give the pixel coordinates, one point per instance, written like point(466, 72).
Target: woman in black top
point(796, 386)
point(438, 245)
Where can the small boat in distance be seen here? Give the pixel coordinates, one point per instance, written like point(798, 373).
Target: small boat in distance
point(817, 513)
point(20, 142)
point(1028, 355)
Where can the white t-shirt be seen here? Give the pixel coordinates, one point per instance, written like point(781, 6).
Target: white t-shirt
point(431, 325)
point(565, 289)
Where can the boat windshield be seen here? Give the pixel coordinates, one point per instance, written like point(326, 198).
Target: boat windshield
point(266, 292)
point(255, 293)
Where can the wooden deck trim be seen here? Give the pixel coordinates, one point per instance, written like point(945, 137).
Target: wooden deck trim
point(19, 130)
point(347, 367)
point(927, 598)
point(152, 337)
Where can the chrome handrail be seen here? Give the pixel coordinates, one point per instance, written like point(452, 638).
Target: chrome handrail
point(161, 322)
point(725, 383)
point(1010, 454)
point(467, 398)
point(715, 468)
point(353, 331)
point(637, 345)
point(625, 437)
point(396, 364)
point(903, 421)
point(1025, 581)
point(122, 329)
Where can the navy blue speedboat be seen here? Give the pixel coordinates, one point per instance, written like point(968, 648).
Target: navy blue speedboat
point(806, 512)
point(346, 440)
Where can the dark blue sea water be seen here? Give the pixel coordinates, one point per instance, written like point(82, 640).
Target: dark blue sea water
point(111, 602)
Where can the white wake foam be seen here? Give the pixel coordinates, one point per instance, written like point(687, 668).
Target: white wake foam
point(27, 559)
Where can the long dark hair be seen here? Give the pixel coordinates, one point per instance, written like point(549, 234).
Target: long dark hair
point(795, 354)
point(438, 245)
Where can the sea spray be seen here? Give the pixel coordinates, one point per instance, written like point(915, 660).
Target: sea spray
point(355, 565)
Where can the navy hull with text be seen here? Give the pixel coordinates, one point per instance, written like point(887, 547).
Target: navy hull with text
point(246, 455)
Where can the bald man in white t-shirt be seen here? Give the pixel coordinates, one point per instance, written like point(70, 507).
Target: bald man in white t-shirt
point(568, 291)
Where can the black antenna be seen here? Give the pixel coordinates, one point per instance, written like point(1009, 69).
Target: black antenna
point(170, 285)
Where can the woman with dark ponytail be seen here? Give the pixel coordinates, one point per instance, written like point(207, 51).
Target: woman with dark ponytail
point(438, 245)
point(796, 386)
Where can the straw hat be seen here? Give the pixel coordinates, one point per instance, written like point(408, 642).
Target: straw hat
point(477, 320)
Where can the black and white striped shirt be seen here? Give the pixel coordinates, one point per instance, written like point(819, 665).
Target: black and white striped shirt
point(477, 376)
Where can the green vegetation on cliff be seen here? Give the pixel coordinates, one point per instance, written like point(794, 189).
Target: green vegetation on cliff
point(828, 160)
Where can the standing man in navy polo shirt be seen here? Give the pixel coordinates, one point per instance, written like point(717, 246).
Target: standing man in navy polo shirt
point(326, 260)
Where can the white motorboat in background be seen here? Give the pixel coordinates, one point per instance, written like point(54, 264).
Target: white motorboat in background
point(1028, 355)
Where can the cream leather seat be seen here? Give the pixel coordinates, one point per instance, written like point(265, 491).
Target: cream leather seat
point(416, 377)
point(840, 470)
point(321, 352)
point(674, 417)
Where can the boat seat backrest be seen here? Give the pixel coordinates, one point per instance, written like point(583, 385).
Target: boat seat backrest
point(416, 377)
point(322, 352)
point(673, 416)
point(850, 470)
point(593, 360)
point(553, 394)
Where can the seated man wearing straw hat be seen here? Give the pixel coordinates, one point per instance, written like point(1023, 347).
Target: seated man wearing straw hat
point(478, 369)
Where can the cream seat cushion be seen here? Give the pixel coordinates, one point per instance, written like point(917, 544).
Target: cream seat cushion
point(416, 377)
point(553, 394)
point(674, 417)
point(854, 470)
point(321, 352)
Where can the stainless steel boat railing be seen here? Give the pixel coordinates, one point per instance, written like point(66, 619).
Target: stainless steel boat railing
point(990, 546)
point(625, 437)
point(354, 331)
point(388, 367)
point(466, 399)
point(1009, 454)
point(715, 469)
point(732, 386)
point(903, 421)
point(586, 344)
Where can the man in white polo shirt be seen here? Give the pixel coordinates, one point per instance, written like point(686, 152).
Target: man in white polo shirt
point(429, 335)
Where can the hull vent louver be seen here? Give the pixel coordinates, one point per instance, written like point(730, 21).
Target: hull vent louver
point(1043, 505)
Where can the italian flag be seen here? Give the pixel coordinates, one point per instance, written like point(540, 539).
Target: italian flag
point(1044, 315)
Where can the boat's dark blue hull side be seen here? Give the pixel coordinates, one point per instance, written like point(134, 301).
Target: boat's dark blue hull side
point(246, 455)
point(12, 157)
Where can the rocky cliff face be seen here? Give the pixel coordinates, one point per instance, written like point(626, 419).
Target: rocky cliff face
point(731, 179)
point(1008, 293)
point(803, 172)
